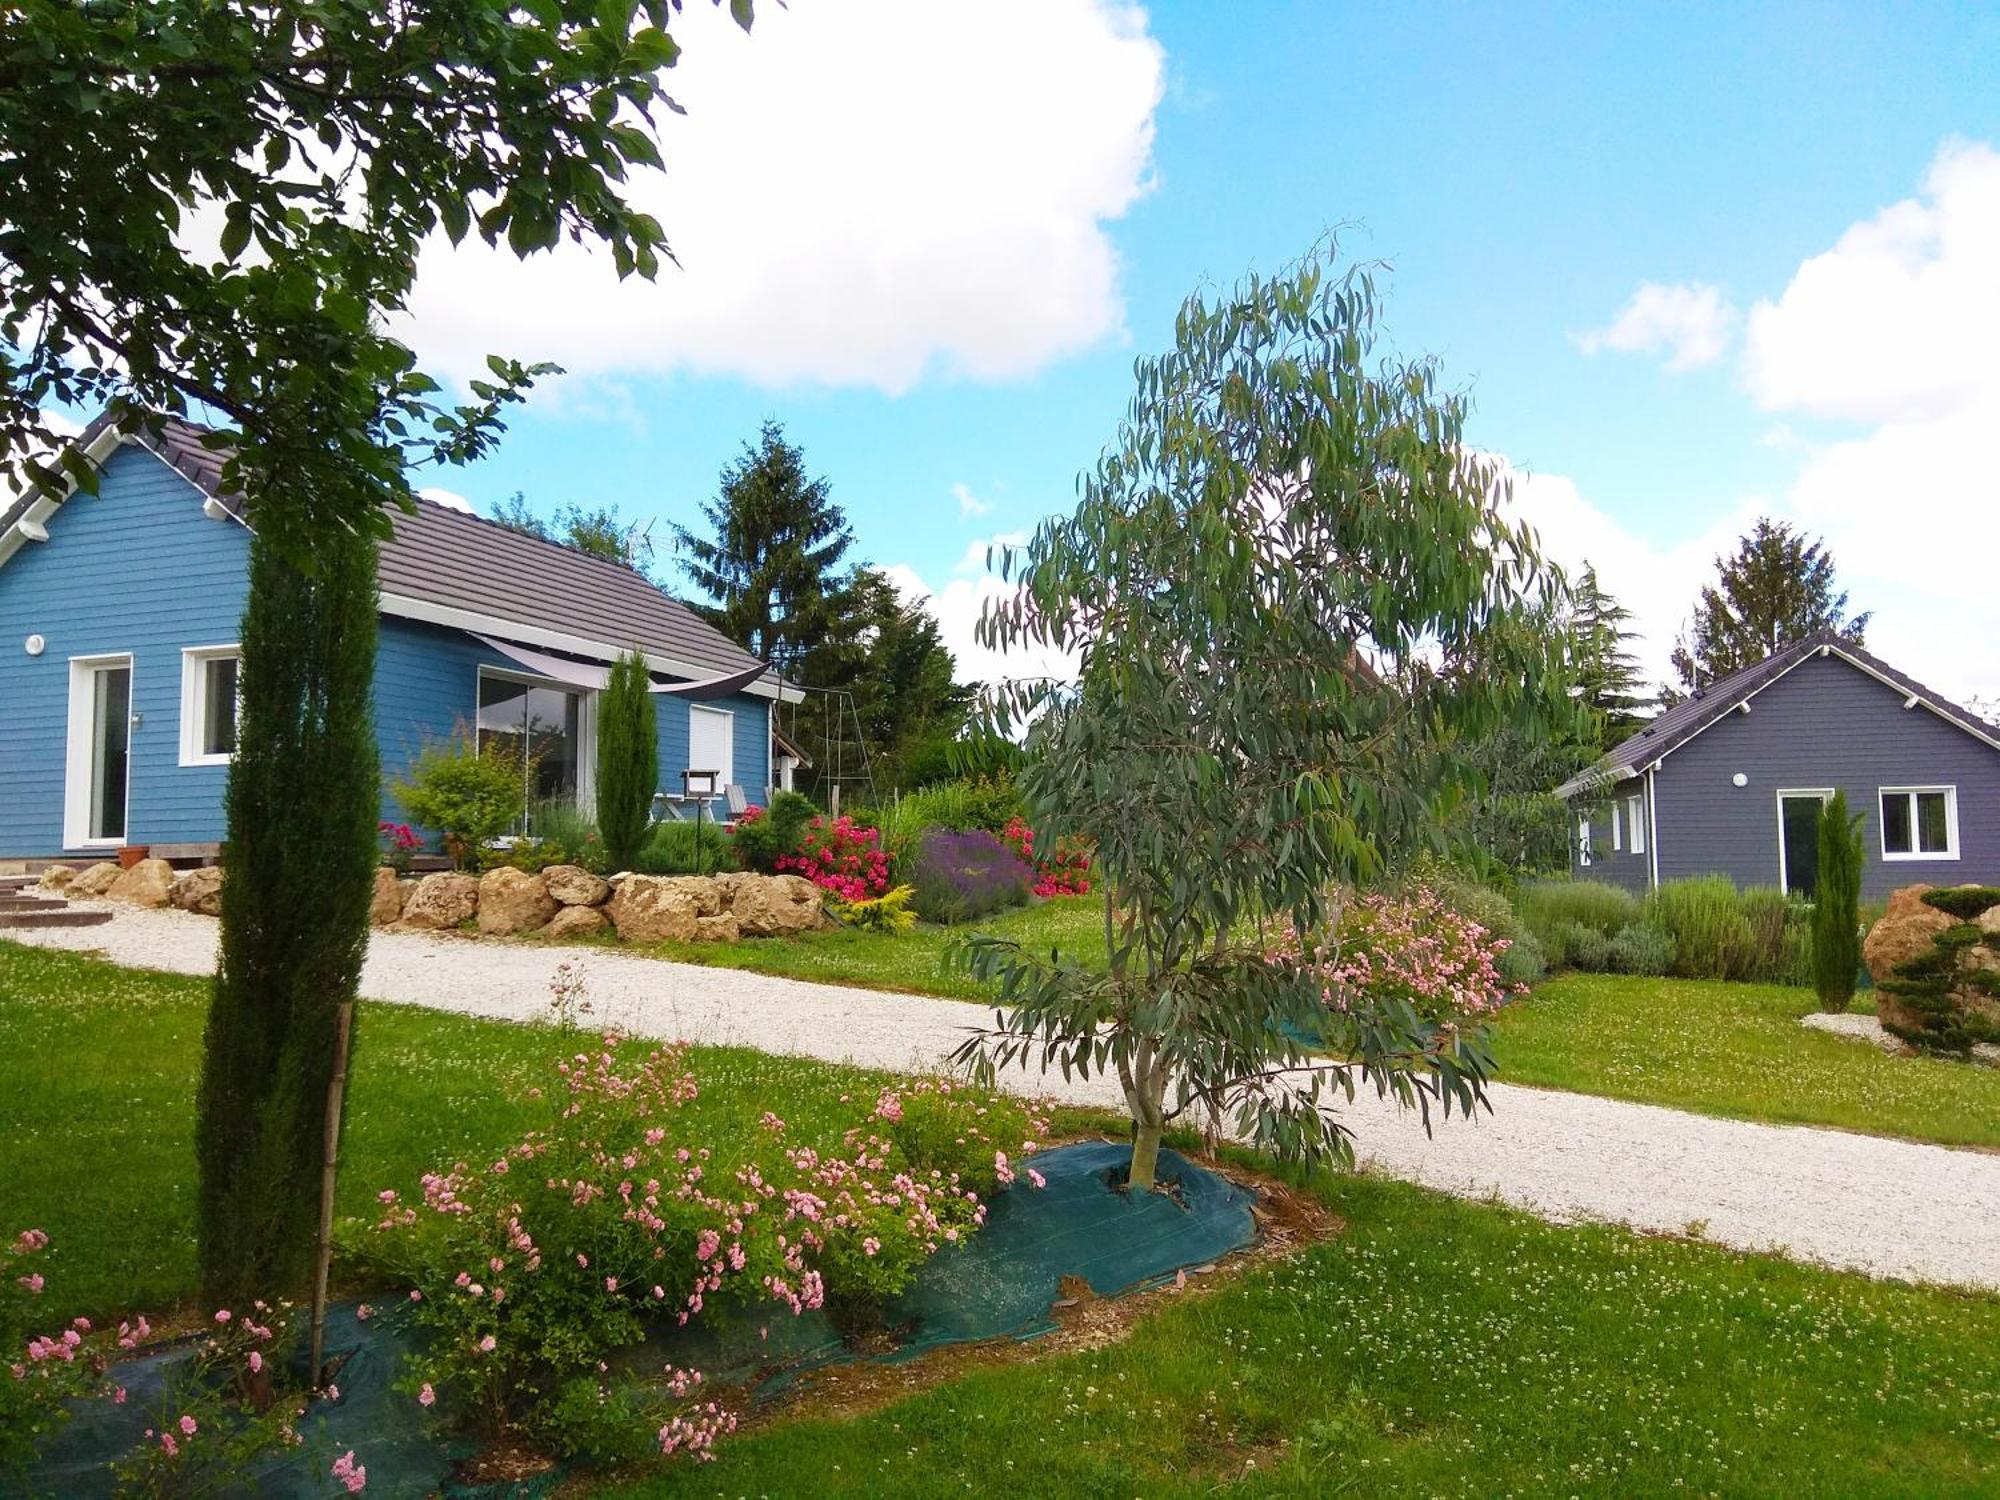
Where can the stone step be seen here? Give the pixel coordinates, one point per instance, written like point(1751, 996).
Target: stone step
point(21, 901)
point(56, 916)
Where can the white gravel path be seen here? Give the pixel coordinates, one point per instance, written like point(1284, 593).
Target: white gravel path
point(1890, 1208)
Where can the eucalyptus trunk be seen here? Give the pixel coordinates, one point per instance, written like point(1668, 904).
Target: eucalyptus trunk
point(303, 801)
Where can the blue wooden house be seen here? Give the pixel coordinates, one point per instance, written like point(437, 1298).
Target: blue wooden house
point(1731, 780)
point(119, 619)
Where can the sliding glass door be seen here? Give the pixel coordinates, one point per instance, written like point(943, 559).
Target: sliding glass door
point(100, 751)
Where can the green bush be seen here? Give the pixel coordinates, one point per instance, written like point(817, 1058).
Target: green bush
point(568, 836)
point(672, 849)
point(1574, 920)
point(984, 802)
point(1640, 949)
point(1964, 901)
point(888, 912)
point(762, 838)
point(1585, 948)
point(1780, 936)
point(1704, 919)
point(1834, 950)
point(466, 795)
point(1523, 962)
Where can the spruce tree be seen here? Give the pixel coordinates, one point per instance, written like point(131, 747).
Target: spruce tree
point(628, 760)
point(302, 802)
point(1777, 589)
point(1836, 918)
point(1607, 671)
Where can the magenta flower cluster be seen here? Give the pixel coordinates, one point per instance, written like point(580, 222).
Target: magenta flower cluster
point(842, 856)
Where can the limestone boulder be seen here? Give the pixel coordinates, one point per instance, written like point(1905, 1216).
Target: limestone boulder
point(150, 882)
point(512, 901)
point(95, 881)
point(576, 921)
point(442, 900)
point(200, 891)
point(1905, 931)
point(572, 885)
point(58, 877)
point(721, 928)
point(386, 905)
point(658, 908)
point(774, 905)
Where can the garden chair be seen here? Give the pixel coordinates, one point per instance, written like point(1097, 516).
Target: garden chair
point(736, 800)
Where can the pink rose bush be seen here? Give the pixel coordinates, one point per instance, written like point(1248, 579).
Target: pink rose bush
point(1411, 948)
point(616, 1217)
point(40, 1371)
point(842, 856)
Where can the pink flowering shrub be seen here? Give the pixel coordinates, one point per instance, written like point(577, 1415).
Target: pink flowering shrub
point(1063, 870)
point(842, 856)
point(614, 1217)
point(40, 1371)
point(1411, 948)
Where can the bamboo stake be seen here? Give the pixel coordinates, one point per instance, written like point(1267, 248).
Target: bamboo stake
point(336, 1088)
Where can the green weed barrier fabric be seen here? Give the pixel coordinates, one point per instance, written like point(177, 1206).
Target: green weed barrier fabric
point(1003, 1282)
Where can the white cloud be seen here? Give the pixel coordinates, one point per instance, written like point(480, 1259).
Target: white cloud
point(1690, 323)
point(958, 606)
point(859, 194)
point(969, 504)
point(449, 498)
point(1899, 321)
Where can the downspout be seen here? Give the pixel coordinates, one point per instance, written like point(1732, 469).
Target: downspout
point(1652, 830)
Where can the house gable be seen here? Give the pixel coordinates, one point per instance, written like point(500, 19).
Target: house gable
point(137, 568)
point(1827, 722)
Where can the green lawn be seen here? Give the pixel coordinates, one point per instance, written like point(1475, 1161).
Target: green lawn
point(1736, 1049)
point(912, 961)
point(1435, 1347)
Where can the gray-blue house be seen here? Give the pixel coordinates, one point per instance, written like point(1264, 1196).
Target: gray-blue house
point(118, 646)
point(1731, 780)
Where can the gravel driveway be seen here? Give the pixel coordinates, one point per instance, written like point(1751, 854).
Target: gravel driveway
point(1858, 1202)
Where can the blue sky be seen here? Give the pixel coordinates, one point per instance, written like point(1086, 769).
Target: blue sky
point(1523, 170)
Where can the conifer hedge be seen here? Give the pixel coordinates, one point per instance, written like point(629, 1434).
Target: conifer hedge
point(628, 760)
point(302, 805)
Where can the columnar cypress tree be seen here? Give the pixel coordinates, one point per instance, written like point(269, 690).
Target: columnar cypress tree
point(628, 760)
point(1836, 920)
point(303, 796)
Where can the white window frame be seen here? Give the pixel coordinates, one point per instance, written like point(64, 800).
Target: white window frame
point(586, 726)
point(194, 700)
point(1635, 816)
point(1825, 795)
point(1915, 855)
point(725, 775)
point(77, 750)
point(1583, 841)
point(1617, 829)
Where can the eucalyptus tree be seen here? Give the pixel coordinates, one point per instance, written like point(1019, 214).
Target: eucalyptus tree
point(216, 211)
point(1295, 599)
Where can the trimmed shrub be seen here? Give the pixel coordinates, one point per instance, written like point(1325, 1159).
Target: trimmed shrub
point(1584, 948)
point(1964, 901)
point(962, 876)
point(889, 912)
point(1836, 919)
point(1703, 917)
point(1523, 963)
point(765, 835)
point(468, 795)
point(628, 759)
point(672, 849)
point(1640, 949)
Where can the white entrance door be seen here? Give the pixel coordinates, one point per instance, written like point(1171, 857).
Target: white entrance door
point(95, 804)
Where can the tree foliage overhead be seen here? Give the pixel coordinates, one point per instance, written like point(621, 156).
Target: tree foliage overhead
point(1297, 601)
point(1776, 589)
point(212, 208)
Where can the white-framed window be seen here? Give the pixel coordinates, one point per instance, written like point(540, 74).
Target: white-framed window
point(712, 743)
point(1635, 817)
point(1799, 810)
point(210, 704)
point(548, 727)
point(1583, 843)
point(98, 760)
point(1919, 822)
point(1617, 829)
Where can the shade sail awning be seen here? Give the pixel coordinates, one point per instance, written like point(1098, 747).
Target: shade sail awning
point(581, 674)
point(712, 687)
point(592, 675)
